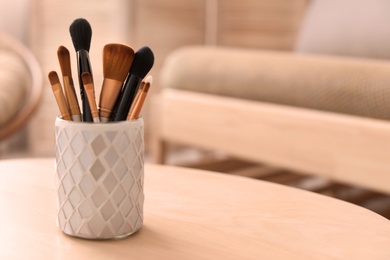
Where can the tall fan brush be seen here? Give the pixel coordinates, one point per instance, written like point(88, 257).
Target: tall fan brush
point(117, 60)
point(142, 64)
point(81, 33)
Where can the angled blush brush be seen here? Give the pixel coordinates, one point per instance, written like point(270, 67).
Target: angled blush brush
point(142, 64)
point(81, 33)
point(139, 101)
point(90, 92)
point(69, 91)
point(117, 60)
point(59, 95)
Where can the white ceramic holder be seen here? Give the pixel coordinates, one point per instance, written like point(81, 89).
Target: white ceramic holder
point(99, 178)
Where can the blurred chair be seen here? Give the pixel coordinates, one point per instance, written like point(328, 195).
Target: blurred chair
point(323, 109)
point(20, 86)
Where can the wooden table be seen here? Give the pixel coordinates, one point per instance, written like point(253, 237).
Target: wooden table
point(192, 214)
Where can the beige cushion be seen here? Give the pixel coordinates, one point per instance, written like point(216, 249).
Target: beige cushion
point(343, 85)
point(359, 28)
point(13, 84)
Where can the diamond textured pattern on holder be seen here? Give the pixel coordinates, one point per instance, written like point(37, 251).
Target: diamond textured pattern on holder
point(77, 144)
point(98, 145)
point(97, 169)
point(99, 176)
point(111, 157)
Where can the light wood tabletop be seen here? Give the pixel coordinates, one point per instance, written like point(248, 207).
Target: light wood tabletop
point(192, 214)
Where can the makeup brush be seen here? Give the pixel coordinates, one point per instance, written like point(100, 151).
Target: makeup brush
point(59, 95)
point(69, 91)
point(142, 64)
point(117, 60)
point(139, 102)
point(90, 92)
point(81, 33)
point(140, 89)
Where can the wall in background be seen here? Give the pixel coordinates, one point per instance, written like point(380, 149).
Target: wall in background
point(14, 18)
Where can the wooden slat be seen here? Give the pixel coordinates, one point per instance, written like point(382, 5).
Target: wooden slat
point(284, 177)
point(257, 171)
point(225, 166)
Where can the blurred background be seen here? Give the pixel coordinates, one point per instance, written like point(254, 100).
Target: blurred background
point(163, 25)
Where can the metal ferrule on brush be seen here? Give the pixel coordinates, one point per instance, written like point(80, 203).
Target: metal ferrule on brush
point(84, 65)
point(108, 96)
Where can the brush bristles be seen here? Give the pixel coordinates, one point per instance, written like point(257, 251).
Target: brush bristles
point(81, 33)
point(64, 59)
point(53, 78)
point(117, 60)
point(143, 62)
point(86, 78)
point(149, 79)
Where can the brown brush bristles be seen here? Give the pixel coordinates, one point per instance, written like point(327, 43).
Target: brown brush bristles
point(53, 78)
point(87, 78)
point(117, 60)
point(64, 59)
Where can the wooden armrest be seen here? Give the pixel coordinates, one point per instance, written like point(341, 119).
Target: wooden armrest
point(349, 149)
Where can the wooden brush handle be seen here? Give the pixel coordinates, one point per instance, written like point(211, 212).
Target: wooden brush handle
point(61, 101)
point(136, 99)
point(84, 65)
point(134, 114)
point(90, 91)
point(70, 95)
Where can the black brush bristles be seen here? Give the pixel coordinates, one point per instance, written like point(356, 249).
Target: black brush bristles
point(143, 62)
point(81, 33)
